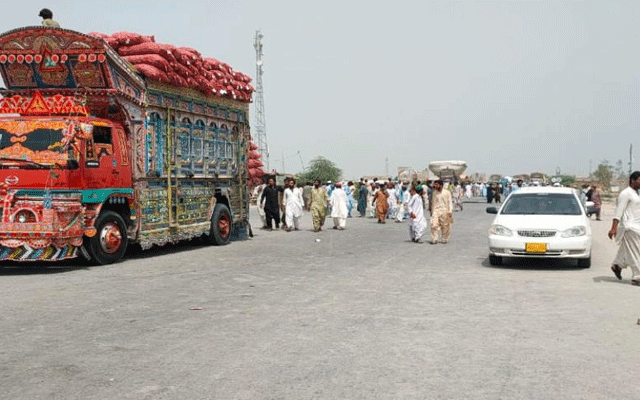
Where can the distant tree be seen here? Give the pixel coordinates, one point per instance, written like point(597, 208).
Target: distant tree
point(604, 174)
point(323, 169)
point(567, 180)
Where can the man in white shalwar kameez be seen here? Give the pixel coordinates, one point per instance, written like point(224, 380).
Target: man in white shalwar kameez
point(403, 199)
point(392, 200)
point(417, 221)
point(293, 205)
point(339, 207)
point(626, 229)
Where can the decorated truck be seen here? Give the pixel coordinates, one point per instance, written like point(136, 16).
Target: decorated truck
point(96, 153)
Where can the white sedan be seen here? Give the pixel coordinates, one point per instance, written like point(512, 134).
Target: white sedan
point(548, 222)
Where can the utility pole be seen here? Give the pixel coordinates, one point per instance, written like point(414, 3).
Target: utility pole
point(386, 166)
point(261, 126)
point(630, 159)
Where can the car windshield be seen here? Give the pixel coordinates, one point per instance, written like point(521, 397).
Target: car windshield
point(542, 204)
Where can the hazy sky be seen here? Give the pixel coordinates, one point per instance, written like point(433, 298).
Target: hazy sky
point(510, 87)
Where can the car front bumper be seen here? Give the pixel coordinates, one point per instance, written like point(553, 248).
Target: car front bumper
point(557, 247)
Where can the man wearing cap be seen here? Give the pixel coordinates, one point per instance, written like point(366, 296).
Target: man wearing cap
point(339, 209)
point(319, 200)
point(47, 18)
point(441, 212)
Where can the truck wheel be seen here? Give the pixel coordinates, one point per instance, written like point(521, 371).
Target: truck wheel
point(220, 232)
point(110, 242)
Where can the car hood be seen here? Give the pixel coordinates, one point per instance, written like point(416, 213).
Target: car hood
point(547, 222)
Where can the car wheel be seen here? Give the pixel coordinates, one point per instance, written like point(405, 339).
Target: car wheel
point(495, 260)
point(220, 232)
point(584, 262)
point(109, 244)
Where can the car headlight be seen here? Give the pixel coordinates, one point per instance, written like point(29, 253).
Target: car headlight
point(575, 231)
point(500, 230)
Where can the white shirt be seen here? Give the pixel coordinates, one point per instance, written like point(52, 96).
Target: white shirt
point(628, 209)
point(293, 202)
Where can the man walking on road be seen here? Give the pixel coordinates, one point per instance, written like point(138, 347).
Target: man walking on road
point(626, 229)
point(441, 212)
point(319, 200)
point(417, 222)
point(270, 199)
point(363, 193)
point(597, 201)
point(339, 209)
point(293, 205)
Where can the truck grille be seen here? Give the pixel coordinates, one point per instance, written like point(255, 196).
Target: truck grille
point(537, 233)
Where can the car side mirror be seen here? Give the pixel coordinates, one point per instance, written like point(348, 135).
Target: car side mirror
point(492, 210)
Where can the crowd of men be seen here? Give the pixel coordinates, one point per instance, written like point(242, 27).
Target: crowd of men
point(397, 201)
point(380, 199)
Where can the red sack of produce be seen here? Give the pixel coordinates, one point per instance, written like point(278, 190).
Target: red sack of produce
point(191, 50)
point(255, 163)
point(218, 74)
point(191, 82)
point(176, 79)
point(130, 39)
point(203, 84)
point(152, 72)
point(164, 50)
point(210, 63)
point(207, 75)
point(254, 154)
point(112, 42)
point(256, 172)
point(194, 70)
point(184, 57)
point(98, 35)
point(253, 146)
point(151, 59)
point(182, 70)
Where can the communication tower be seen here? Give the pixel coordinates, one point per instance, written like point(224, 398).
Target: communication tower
point(260, 136)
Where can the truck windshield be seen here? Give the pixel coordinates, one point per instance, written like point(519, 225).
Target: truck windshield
point(26, 143)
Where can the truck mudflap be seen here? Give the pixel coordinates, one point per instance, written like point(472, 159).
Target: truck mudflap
point(25, 252)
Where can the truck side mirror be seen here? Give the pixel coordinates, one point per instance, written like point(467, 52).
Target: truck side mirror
point(72, 163)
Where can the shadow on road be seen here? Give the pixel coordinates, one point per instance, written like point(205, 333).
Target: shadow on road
point(611, 279)
point(30, 268)
point(134, 252)
point(546, 264)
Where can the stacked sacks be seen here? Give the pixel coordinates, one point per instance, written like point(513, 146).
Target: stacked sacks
point(179, 66)
point(255, 165)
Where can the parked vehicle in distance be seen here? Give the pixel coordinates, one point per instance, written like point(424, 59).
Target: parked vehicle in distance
point(547, 222)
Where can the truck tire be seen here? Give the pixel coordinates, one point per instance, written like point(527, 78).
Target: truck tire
point(110, 242)
point(220, 232)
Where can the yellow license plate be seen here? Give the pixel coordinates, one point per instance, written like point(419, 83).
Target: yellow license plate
point(535, 247)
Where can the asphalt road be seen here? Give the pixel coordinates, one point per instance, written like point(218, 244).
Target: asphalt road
point(360, 314)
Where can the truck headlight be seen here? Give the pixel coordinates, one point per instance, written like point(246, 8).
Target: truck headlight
point(575, 231)
point(500, 230)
